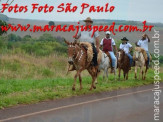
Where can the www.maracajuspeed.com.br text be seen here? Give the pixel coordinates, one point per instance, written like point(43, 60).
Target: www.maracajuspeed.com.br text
point(76, 28)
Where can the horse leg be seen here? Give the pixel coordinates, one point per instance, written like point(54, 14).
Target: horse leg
point(119, 73)
point(142, 75)
point(127, 76)
point(80, 80)
point(104, 74)
point(94, 76)
point(145, 72)
point(136, 72)
point(93, 83)
point(107, 74)
point(140, 72)
point(77, 74)
point(115, 73)
point(74, 84)
point(124, 74)
point(96, 82)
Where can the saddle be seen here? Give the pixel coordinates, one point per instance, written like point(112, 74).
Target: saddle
point(88, 47)
point(108, 54)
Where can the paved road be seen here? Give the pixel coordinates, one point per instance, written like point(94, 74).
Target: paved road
point(129, 105)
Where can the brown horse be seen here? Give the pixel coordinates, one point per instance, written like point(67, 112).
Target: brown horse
point(123, 63)
point(77, 56)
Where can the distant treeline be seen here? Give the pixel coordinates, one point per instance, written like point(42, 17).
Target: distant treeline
point(43, 46)
point(101, 21)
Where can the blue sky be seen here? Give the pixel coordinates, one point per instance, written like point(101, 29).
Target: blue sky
point(139, 10)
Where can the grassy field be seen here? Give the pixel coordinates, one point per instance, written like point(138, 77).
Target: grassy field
point(28, 79)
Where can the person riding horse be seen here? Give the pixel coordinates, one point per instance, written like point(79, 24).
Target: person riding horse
point(143, 43)
point(108, 44)
point(86, 36)
point(127, 47)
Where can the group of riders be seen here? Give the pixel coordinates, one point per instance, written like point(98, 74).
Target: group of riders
point(108, 45)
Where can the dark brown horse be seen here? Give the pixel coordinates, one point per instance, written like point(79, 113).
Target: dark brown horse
point(77, 56)
point(123, 64)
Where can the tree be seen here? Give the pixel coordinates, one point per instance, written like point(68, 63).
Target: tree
point(27, 38)
point(13, 37)
point(2, 23)
point(51, 23)
point(3, 17)
point(46, 37)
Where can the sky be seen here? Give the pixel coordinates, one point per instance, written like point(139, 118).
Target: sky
point(138, 10)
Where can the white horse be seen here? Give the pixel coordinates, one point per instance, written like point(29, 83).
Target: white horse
point(105, 65)
point(140, 62)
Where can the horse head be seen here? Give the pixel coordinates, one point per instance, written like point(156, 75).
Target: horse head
point(73, 48)
point(137, 53)
point(120, 55)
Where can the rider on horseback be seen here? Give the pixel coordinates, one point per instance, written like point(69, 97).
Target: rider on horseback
point(143, 43)
point(108, 44)
point(127, 47)
point(86, 36)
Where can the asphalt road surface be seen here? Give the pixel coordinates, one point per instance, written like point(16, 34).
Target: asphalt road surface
point(128, 105)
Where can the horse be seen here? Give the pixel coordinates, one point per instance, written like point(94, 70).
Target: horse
point(77, 56)
point(105, 65)
point(123, 64)
point(140, 61)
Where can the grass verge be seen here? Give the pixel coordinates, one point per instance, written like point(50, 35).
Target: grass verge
point(14, 92)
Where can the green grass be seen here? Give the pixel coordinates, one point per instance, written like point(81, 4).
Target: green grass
point(14, 92)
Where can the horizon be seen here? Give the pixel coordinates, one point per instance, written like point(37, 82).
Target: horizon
point(79, 20)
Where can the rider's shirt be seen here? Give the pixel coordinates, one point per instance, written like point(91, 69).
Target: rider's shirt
point(107, 44)
point(143, 44)
point(126, 47)
point(86, 36)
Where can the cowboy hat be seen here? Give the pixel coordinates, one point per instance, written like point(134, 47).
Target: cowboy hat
point(108, 32)
point(124, 38)
point(144, 35)
point(88, 19)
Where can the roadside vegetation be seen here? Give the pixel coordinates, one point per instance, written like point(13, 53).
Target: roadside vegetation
point(26, 91)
